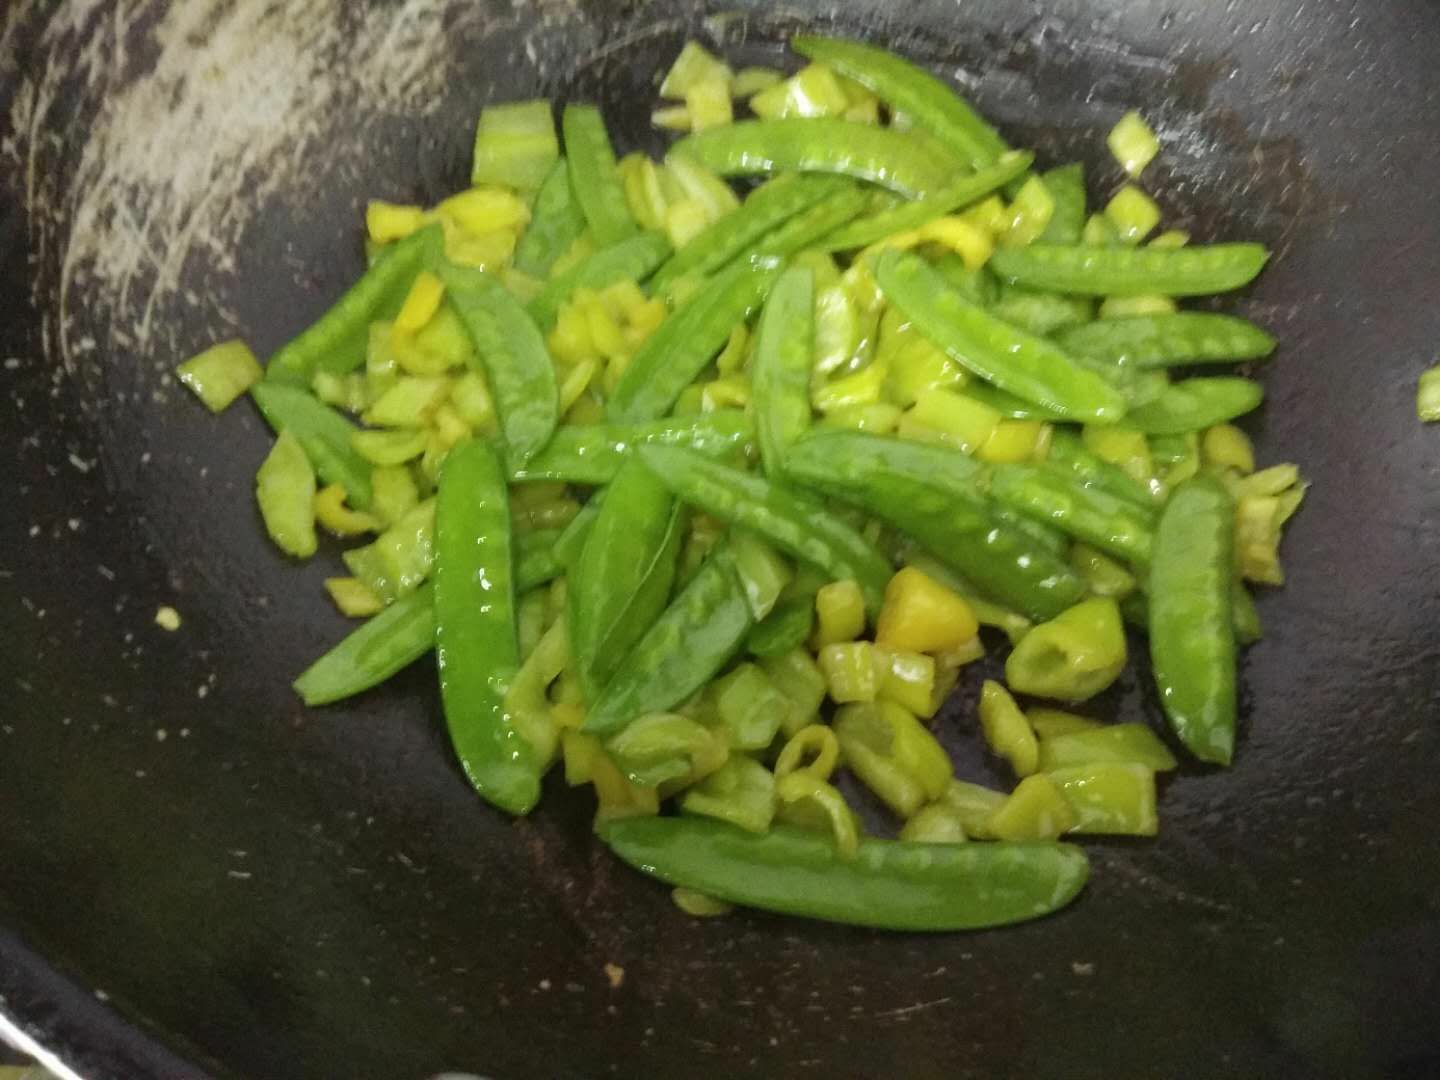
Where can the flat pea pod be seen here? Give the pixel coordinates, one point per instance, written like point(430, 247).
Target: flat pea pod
point(594, 179)
point(943, 200)
point(1158, 341)
point(933, 494)
point(1195, 404)
point(1192, 635)
point(338, 340)
point(678, 351)
point(555, 224)
point(509, 347)
point(634, 259)
point(379, 648)
point(836, 210)
point(903, 86)
point(476, 643)
point(536, 560)
point(697, 635)
point(1066, 185)
point(1010, 406)
point(1069, 453)
point(620, 583)
point(323, 432)
point(882, 156)
point(766, 209)
point(1025, 365)
point(888, 884)
point(780, 366)
point(792, 522)
point(594, 453)
point(785, 629)
point(1052, 496)
point(1124, 271)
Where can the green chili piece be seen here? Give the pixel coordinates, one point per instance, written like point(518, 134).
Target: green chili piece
point(376, 650)
point(678, 351)
point(767, 208)
point(594, 179)
point(821, 144)
point(1158, 341)
point(943, 200)
point(1113, 271)
point(1109, 798)
point(887, 884)
point(742, 792)
point(401, 557)
point(1049, 495)
point(1067, 220)
point(1192, 636)
point(790, 521)
point(337, 342)
point(1196, 404)
point(622, 580)
point(667, 748)
point(594, 454)
point(907, 88)
point(285, 491)
point(476, 644)
point(1013, 360)
point(634, 259)
point(1072, 657)
point(555, 224)
point(780, 369)
point(1135, 744)
point(932, 494)
point(696, 636)
point(289, 408)
point(512, 353)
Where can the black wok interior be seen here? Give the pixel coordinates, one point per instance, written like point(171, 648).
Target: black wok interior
point(199, 877)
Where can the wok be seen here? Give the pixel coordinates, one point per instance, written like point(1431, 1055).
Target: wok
point(199, 877)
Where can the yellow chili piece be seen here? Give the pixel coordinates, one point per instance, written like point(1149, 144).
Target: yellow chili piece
point(331, 512)
point(811, 803)
point(921, 615)
point(1035, 810)
point(386, 221)
point(1072, 657)
point(421, 302)
point(908, 680)
point(587, 763)
point(813, 749)
point(353, 598)
point(893, 754)
point(851, 671)
point(935, 824)
point(1110, 798)
point(1007, 731)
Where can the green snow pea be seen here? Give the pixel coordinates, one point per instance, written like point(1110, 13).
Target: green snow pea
point(1087, 513)
point(943, 200)
point(1067, 221)
point(889, 884)
point(1042, 313)
point(1070, 454)
point(621, 582)
point(792, 522)
point(322, 431)
point(475, 637)
point(555, 224)
point(1027, 366)
point(678, 351)
point(903, 86)
point(594, 178)
point(511, 351)
point(933, 494)
point(593, 453)
point(696, 636)
point(1196, 404)
point(821, 144)
point(812, 224)
point(634, 259)
point(376, 650)
point(780, 366)
point(1157, 341)
point(1192, 635)
point(338, 340)
point(1119, 271)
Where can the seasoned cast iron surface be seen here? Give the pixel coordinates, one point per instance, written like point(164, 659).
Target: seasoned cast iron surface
point(211, 872)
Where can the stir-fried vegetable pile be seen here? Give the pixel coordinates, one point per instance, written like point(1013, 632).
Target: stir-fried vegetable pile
point(707, 491)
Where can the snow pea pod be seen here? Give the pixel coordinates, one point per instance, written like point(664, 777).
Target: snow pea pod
point(933, 494)
point(1195, 404)
point(678, 351)
point(323, 432)
point(512, 353)
point(1125, 271)
point(594, 178)
point(1069, 454)
point(594, 453)
point(476, 644)
point(1066, 185)
point(889, 884)
point(1157, 341)
point(911, 215)
point(338, 340)
point(1027, 366)
point(1192, 635)
point(634, 259)
point(780, 367)
point(902, 85)
point(556, 224)
point(790, 521)
point(767, 208)
point(696, 636)
point(622, 579)
point(821, 144)
point(834, 211)
point(1086, 513)
point(376, 650)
